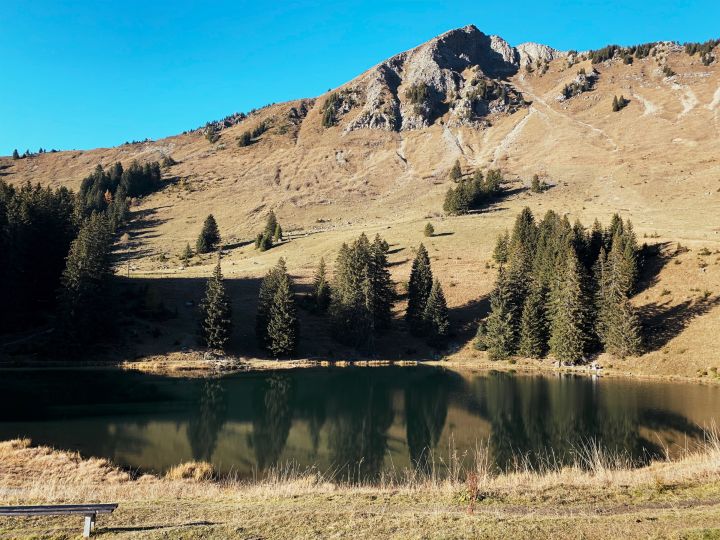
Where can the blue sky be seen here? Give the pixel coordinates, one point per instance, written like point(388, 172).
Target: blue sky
point(84, 74)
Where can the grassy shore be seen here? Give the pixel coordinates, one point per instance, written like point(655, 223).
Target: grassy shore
point(599, 497)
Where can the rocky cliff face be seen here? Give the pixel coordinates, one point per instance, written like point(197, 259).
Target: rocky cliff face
point(458, 77)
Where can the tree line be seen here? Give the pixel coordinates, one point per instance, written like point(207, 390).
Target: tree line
point(358, 302)
point(563, 290)
point(55, 248)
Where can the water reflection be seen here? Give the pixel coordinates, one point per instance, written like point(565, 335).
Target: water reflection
point(356, 422)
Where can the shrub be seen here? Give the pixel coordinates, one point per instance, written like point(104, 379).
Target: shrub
point(191, 470)
point(429, 230)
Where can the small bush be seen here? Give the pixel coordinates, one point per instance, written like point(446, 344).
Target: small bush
point(429, 230)
point(191, 470)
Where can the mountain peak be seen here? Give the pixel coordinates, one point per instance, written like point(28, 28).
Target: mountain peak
point(459, 74)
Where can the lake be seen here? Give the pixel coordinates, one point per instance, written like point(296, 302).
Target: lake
point(356, 422)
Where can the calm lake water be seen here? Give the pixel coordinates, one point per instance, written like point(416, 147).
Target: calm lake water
point(354, 421)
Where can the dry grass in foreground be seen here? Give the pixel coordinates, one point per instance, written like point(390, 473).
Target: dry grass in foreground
point(597, 498)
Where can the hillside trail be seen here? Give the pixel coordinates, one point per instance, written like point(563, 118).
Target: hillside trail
point(545, 106)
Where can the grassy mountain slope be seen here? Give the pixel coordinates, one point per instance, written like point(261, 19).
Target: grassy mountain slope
point(657, 161)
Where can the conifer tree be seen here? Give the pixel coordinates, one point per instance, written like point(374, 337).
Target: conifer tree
point(435, 316)
point(186, 254)
point(570, 312)
point(321, 288)
point(266, 296)
point(419, 288)
point(499, 326)
point(216, 313)
point(362, 292)
point(277, 233)
point(618, 325)
point(283, 327)
point(85, 280)
point(533, 327)
point(15, 154)
point(271, 224)
point(209, 238)
point(623, 332)
point(429, 230)
point(456, 171)
point(381, 286)
point(500, 253)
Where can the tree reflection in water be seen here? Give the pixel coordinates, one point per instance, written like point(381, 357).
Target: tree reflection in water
point(362, 413)
point(205, 425)
point(272, 418)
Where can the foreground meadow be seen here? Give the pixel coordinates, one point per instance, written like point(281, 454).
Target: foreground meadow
point(599, 497)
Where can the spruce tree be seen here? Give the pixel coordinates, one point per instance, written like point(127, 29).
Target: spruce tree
point(435, 316)
point(362, 292)
point(266, 296)
point(533, 327)
point(419, 288)
point(216, 313)
point(283, 327)
point(277, 233)
point(500, 253)
point(381, 285)
point(209, 238)
point(618, 325)
point(429, 230)
point(456, 171)
point(623, 331)
point(186, 255)
point(321, 288)
point(85, 281)
point(499, 326)
point(568, 336)
point(271, 224)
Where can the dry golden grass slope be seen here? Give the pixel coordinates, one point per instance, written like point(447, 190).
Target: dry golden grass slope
point(656, 162)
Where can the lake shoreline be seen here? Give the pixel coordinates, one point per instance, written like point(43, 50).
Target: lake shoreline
point(196, 364)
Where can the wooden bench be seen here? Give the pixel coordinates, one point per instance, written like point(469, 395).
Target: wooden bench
point(90, 511)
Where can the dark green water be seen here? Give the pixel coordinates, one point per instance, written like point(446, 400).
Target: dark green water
point(356, 422)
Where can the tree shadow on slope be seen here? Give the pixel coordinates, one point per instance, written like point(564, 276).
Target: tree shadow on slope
point(663, 322)
point(653, 258)
point(142, 227)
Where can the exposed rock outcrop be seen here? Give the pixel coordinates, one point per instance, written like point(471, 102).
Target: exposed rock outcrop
point(458, 75)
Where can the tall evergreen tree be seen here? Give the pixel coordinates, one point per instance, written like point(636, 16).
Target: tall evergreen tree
point(15, 154)
point(283, 327)
point(456, 171)
point(186, 254)
point(500, 253)
point(381, 285)
point(623, 331)
point(216, 312)
point(570, 312)
point(499, 326)
point(321, 288)
point(271, 224)
point(419, 287)
point(435, 316)
point(85, 281)
point(266, 296)
point(209, 238)
point(362, 292)
point(533, 326)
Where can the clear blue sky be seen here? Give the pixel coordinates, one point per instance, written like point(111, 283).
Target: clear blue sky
point(97, 73)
